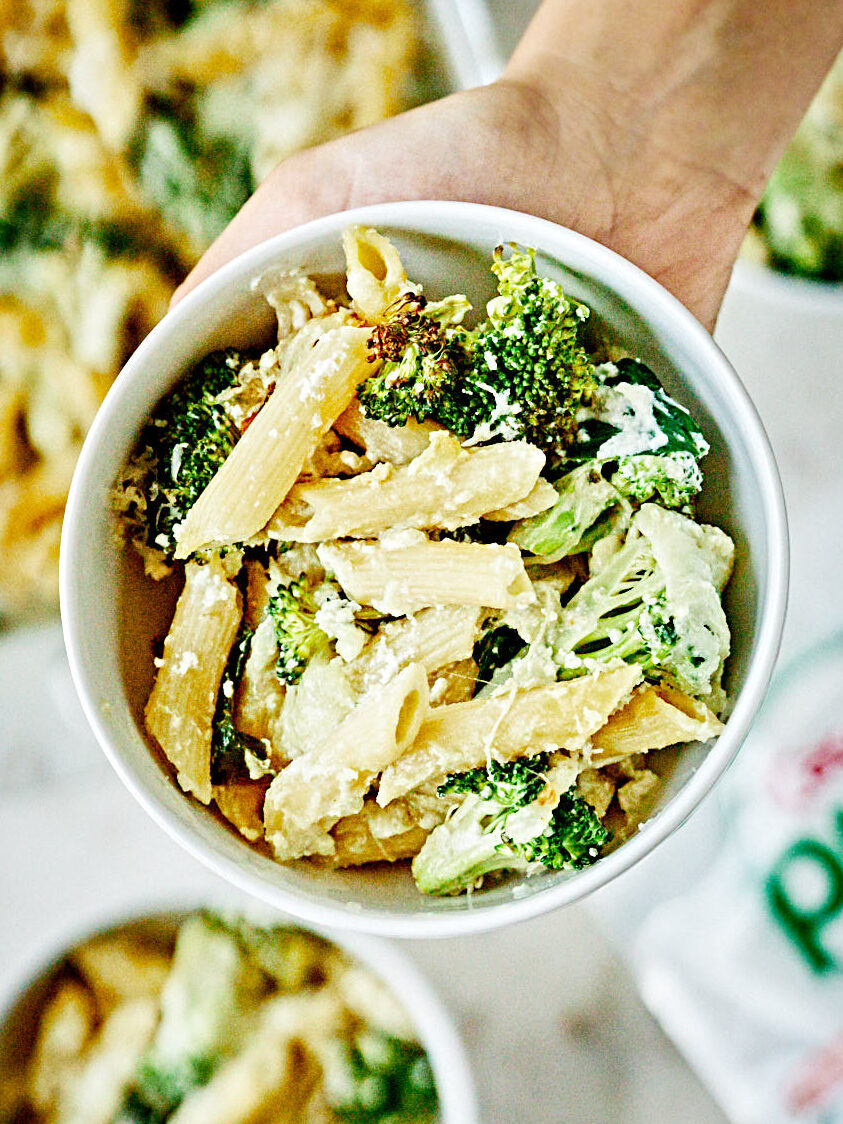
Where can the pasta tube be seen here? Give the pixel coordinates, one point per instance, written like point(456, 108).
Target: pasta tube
point(356, 845)
point(307, 798)
point(181, 706)
point(265, 462)
point(381, 442)
point(376, 277)
point(376, 834)
point(94, 1094)
point(542, 497)
point(401, 579)
point(433, 638)
point(242, 806)
point(653, 718)
point(562, 716)
point(447, 486)
point(269, 1079)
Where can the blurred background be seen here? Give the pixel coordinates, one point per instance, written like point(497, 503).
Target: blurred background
point(130, 133)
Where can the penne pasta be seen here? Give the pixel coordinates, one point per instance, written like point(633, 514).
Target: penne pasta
point(95, 1092)
point(596, 789)
point(653, 718)
point(376, 834)
point(400, 579)
point(265, 462)
point(562, 716)
point(446, 486)
point(432, 637)
point(382, 442)
point(375, 275)
point(269, 1079)
point(356, 845)
point(67, 1026)
point(260, 694)
point(322, 786)
point(242, 806)
point(400, 643)
point(456, 682)
point(181, 706)
point(542, 496)
point(118, 969)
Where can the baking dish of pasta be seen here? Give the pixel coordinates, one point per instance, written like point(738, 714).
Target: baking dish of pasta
point(443, 586)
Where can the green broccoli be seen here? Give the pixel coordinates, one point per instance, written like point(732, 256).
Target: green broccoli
point(482, 837)
point(381, 1079)
point(527, 357)
point(498, 646)
point(300, 639)
point(34, 222)
point(627, 610)
point(800, 216)
point(423, 360)
point(651, 440)
point(204, 1003)
point(198, 181)
point(181, 448)
point(674, 479)
point(229, 745)
point(576, 520)
point(522, 373)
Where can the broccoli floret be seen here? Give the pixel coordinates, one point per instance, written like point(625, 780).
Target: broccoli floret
point(527, 358)
point(210, 987)
point(626, 612)
point(575, 838)
point(198, 181)
point(33, 222)
point(290, 958)
point(481, 836)
point(674, 479)
point(651, 440)
point(620, 613)
point(633, 403)
point(801, 216)
point(575, 521)
point(229, 746)
point(181, 448)
point(381, 1079)
point(300, 639)
point(522, 373)
point(423, 359)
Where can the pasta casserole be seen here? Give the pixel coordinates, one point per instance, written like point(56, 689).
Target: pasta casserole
point(130, 134)
point(443, 596)
point(218, 1022)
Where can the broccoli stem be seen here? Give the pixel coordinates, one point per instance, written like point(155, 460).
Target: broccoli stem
point(462, 851)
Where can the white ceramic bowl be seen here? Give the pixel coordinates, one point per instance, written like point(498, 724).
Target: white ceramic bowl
point(23, 989)
point(110, 614)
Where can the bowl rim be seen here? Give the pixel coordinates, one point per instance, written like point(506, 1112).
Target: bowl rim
point(432, 1022)
point(574, 250)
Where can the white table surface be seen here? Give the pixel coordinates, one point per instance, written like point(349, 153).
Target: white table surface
point(553, 1025)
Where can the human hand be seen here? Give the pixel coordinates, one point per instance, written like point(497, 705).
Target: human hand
point(500, 145)
point(597, 144)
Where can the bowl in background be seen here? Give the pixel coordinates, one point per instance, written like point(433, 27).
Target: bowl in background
point(25, 988)
point(111, 620)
